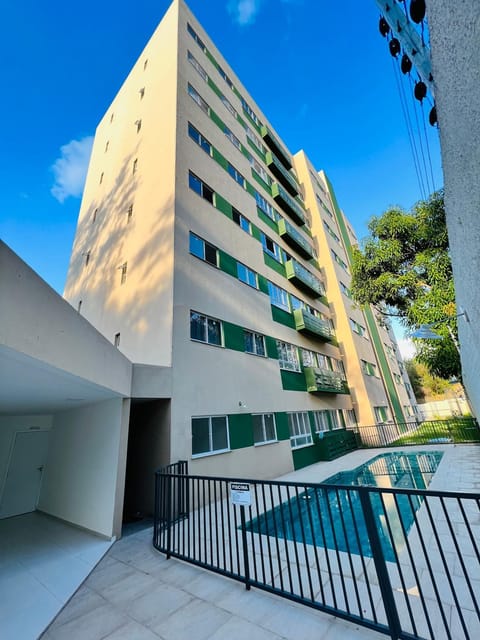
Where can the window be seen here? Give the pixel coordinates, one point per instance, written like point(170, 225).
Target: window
point(197, 66)
point(358, 328)
point(336, 418)
point(255, 139)
point(145, 64)
point(398, 378)
point(261, 171)
point(299, 427)
point(192, 32)
point(199, 139)
point(309, 358)
point(94, 215)
point(210, 435)
point(368, 368)
point(193, 93)
point(339, 261)
point(116, 340)
point(408, 410)
point(129, 212)
point(321, 421)
point(142, 92)
point(345, 290)
point(111, 118)
point(254, 343)
point(101, 177)
point(225, 77)
point(264, 428)
point(250, 112)
point(350, 418)
point(203, 250)
point(232, 137)
point(205, 329)
point(228, 105)
point(138, 124)
point(266, 207)
point(242, 222)
point(331, 232)
point(135, 166)
point(107, 145)
point(200, 187)
point(271, 247)
point(123, 273)
point(87, 257)
point(247, 275)
point(288, 356)
point(79, 306)
point(382, 414)
point(236, 175)
point(278, 296)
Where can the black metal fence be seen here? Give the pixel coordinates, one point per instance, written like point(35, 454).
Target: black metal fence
point(394, 434)
point(402, 562)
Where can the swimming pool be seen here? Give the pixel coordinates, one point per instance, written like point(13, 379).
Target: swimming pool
point(332, 517)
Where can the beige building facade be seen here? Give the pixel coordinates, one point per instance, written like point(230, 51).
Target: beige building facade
point(203, 246)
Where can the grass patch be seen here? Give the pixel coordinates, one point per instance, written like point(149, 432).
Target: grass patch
point(455, 430)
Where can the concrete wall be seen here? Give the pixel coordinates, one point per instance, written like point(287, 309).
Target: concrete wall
point(38, 322)
point(454, 36)
point(80, 478)
point(9, 426)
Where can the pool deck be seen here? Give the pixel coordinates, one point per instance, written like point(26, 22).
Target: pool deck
point(136, 594)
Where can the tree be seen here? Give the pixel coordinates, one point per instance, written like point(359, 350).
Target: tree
point(405, 270)
point(426, 386)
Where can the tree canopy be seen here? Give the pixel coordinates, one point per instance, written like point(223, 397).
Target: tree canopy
point(405, 267)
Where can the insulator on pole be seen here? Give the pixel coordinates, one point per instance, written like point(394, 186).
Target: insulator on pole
point(406, 64)
point(417, 10)
point(432, 118)
point(420, 91)
point(394, 46)
point(383, 27)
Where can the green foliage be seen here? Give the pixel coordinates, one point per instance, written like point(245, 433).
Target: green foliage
point(425, 385)
point(405, 265)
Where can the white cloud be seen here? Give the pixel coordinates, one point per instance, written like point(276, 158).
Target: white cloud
point(70, 169)
point(406, 347)
point(244, 11)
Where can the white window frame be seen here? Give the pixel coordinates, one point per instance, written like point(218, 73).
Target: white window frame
point(265, 441)
point(300, 422)
point(288, 357)
point(278, 296)
point(309, 358)
point(251, 278)
point(255, 335)
point(197, 66)
point(320, 417)
point(206, 318)
point(211, 451)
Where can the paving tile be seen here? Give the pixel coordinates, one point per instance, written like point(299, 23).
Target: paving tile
point(240, 629)
point(157, 604)
point(198, 620)
point(83, 601)
point(132, 631)
point(104, 577)
point(129, 588)
point(94, 625)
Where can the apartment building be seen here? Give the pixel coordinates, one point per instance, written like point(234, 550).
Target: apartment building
point(205, 248)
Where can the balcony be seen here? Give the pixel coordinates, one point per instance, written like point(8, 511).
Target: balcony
point(276, 147)
point(304, 279)
point(325, 381)
point(295, 239)
point(288, 204)
point(279, 171)
point(307, 323)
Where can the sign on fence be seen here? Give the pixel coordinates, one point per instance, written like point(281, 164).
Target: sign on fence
point(240, 493)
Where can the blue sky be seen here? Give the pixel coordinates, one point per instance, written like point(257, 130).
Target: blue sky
point(320, 71)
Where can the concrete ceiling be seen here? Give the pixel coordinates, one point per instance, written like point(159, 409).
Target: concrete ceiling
point(28, 386)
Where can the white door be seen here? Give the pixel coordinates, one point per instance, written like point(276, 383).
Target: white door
point(24, 475)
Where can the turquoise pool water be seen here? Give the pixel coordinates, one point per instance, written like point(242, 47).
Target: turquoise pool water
point(331, 517)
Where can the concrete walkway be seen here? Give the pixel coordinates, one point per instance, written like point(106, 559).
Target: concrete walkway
point(135, 593)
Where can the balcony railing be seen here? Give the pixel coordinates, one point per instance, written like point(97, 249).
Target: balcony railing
point(288, 204)
point(279, 171)
point(303, 279)
point(325, 381)
point(276, 147)
point(295, 239)
point(306, 322)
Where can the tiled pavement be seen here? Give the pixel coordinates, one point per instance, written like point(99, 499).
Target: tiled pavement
point(135, 593)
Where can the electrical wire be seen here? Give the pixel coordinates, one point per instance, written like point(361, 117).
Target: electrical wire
point(428, 147)
point(420, 141)
point(408, 124)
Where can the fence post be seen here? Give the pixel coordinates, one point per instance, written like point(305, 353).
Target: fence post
point(168, 482)
point(380, 564)
point(245, 549)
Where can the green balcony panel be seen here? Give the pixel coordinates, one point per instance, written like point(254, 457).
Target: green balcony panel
point(306, 322)
point(295, 239)
point(288, 204)
point(276, 147)
point(279, 171)
point(325, 381)
point(303, 279)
